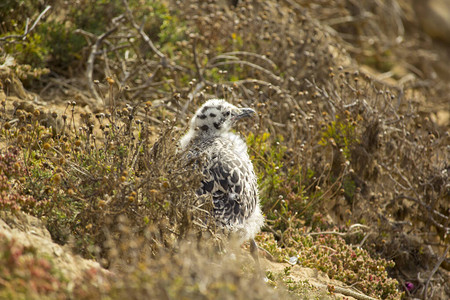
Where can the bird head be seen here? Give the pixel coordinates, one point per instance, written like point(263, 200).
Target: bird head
point(218, 116)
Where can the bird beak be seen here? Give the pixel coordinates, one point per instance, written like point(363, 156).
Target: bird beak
point(245, 113)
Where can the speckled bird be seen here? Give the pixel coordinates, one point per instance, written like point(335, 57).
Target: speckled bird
point(228, 173)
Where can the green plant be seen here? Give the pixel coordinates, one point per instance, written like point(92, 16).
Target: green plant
point(32, 51)
point(12, 176)
point(330, 254)
point(340, 134)
point(25, 274)
point(268, 156)
point(287, 192)
point(55, 41)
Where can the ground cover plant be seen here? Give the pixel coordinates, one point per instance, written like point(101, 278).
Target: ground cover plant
point(353, 169)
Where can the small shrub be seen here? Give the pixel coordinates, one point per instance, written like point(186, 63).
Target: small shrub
point(25, 274)
point(341, 135)
point(12, 174)
point(330, 254)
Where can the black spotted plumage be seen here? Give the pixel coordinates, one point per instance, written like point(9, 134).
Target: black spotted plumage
point(228, 173)
point(233, 199)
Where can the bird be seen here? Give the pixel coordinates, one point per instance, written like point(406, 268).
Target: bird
point(228, 173)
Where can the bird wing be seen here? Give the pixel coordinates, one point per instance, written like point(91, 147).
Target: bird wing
point(229, 180)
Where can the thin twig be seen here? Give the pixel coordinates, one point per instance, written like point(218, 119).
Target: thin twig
point(262, 57)
point(243, 62)
point(27, 30)
point(196, 61)
point(436, 267)
point(91, 60)
point(326, 232)
point(423, 204)
point(348, 292)
point(142, 33)
point(164, 60)
point(348, 19)
point(338, 233)
point(363, 240)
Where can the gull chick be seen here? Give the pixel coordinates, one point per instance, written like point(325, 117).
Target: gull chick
point(228, 173)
